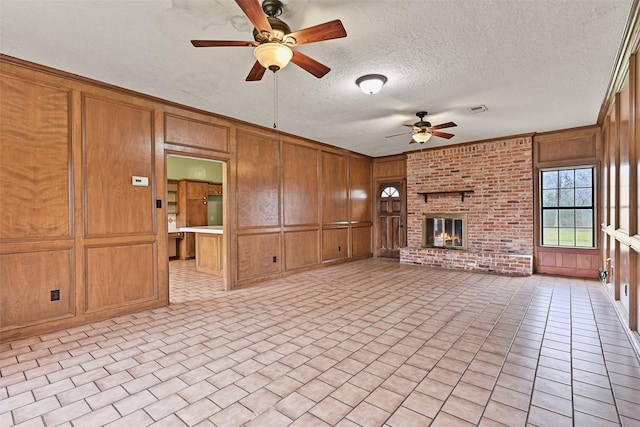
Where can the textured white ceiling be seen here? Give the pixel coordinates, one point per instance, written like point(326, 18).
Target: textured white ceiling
point(537, 65)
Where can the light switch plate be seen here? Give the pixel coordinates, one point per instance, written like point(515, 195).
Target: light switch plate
point(140, 181)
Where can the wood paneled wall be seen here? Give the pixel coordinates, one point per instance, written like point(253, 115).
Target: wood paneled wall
point(72, 220)
point(299, 204)
point(390, 168)
point(621, 192)
point(568, 148)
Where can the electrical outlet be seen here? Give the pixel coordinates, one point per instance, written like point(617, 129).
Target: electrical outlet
point(55, 295)
point(275, 258)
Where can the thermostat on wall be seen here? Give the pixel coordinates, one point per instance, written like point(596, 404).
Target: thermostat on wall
point(140, 181)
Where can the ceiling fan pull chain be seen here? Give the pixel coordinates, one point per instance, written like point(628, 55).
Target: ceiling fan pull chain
point(275, 100)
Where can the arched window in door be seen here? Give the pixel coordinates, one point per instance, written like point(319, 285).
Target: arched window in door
point(390, 192)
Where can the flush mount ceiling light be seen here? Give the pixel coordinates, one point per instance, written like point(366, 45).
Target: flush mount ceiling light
point(422, 136)
point(371, 83)
point(273, 56)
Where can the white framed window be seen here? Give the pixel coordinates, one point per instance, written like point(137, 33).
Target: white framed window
point(567, 201)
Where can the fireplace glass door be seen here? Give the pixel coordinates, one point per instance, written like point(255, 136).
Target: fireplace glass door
point(444, 231)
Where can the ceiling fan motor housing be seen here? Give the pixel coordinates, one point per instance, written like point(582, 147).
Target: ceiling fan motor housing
point(422, 124)
point(272, 7)
point(279, 27)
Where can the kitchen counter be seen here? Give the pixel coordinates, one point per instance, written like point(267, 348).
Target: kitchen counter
point(210, 255)
point(207, 229)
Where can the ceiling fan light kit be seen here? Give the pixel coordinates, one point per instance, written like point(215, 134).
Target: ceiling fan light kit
point(273, 56)
point(371, 83)
point(422, 136)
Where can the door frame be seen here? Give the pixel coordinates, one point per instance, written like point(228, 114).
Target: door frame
point(225, 207)
point(379, 185)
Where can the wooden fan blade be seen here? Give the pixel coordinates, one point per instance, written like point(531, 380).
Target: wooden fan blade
point(256, 15)
point(413, 141)
point(442, 134)
point(309, 64)
point(327, 31)
point(444, 126)
point(256, 73)
point(398, 134)
point(410, 126)
point(219, 43)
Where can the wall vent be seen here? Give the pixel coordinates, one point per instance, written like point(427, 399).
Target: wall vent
point(478, 109)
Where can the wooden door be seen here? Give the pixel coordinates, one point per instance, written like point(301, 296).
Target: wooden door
point(391, 234)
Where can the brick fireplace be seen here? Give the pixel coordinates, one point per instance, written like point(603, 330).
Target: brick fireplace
point(489, 185)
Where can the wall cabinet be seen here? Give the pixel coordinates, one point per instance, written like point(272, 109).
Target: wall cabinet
point(214, 189)
point(192, 208)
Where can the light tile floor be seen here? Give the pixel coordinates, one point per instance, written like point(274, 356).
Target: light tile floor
point(369, 343)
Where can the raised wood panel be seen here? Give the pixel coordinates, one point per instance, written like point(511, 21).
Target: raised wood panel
point(114, 279)
point(26, 282)
point(195, 133)
point(634, 320)
point(35, 147)
point(335, 243)
point(210, 253)
point(613, 167)
point(299, 184)
point(255, 255)
point(574, 145)
point(613, 266)
point(257, 181)
point(604, 189)
point(624, 270)
point(301, 249)
point(624, 188)
point(118, 144)
point(334, 188)
point(389, 235)
point(390, 167)
point(635, 159)
point(568, 262)
point(360, 189)
point(361, 241)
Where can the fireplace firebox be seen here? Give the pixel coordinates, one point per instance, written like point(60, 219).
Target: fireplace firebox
point(444, 230)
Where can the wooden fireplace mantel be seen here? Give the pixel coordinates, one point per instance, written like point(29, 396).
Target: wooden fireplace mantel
point(438, 193)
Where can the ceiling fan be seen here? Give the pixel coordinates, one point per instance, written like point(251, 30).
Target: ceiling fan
point(273, 39)
point(421, 131)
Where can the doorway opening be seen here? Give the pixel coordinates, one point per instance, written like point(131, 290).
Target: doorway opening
point(195, 202)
